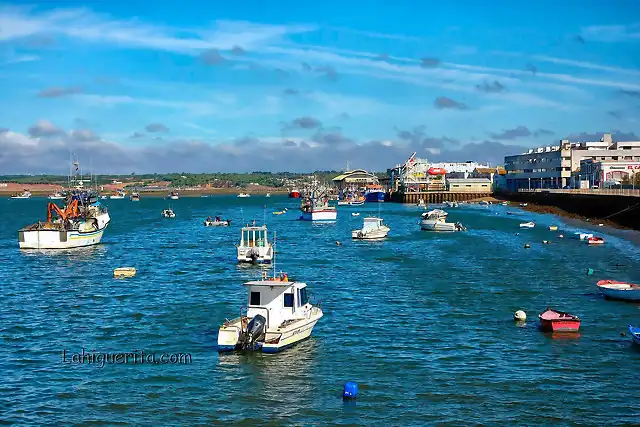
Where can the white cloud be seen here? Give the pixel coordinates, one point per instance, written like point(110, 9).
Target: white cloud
point(612, 33)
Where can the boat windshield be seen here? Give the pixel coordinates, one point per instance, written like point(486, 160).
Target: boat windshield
point(254, 237)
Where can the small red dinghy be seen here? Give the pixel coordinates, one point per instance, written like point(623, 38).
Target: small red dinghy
point(595, 240)
point(558, 321)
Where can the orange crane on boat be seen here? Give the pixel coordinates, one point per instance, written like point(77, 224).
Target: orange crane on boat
point(71, 211)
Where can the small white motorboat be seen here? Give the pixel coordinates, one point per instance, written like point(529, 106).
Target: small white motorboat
point(173, 195)
point(278, 315)
point(355, 214)
point(484, 203)
point(529, 224)
point(619, 290)
point(244, 195)
point(436, 220)
point(421, 203)
point(268, 195)
point(452, 204)
point(217, 222)
point(56, 196)
point(254, 246)
point(26, 194)
point(134, 197)
point(595, 241)
point(168, 213)
point(119, 195)
point(583, 236)
point(282, 212)
point(372, 229)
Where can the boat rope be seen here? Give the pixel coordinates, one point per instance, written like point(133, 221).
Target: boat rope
point(623, 210)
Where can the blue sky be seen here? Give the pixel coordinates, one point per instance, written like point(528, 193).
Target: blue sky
point(206, 86)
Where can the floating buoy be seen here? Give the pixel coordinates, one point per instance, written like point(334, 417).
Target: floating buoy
point(589, 271)
point(553, 227)
point(124, 272)
point(338, 243)
point(350, 390)
point(527, 246)
point(520, 316)
point(561, 236)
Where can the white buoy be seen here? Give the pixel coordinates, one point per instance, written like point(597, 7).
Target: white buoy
point(520, 316)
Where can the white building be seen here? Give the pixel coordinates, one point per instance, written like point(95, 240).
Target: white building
point(602, 174)
point(554, 166)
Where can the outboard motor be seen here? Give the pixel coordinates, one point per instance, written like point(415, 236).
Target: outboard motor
point(256, 330)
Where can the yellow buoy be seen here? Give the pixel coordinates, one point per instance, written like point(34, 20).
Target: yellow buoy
point(124, 272)
point(520, 316)
point(553, 228)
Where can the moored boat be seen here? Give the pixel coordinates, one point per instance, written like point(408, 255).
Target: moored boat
point(118, 195)
point(81, 222)
point(558, 321)
point(174, 195)
point(582, 236)
point(316, 208)
point(595, 240)
point(168, 213)
point(26, 194)
point(436, 220)
point(217, 222)
point(372, 229)
point(244, 195)
point(56, 196)
point(635, 334)
point(374, 193)
point(134, 197)
point(449, 204)
point(254, 246)
point(619, 290)
point(294, 194)
point(282, 212)
point(278, 315)
point(529, 224)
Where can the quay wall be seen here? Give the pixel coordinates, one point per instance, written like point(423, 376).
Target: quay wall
point(622, 210)
point(435, 197)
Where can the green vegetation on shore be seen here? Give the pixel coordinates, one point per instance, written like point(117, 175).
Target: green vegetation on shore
point(216, 180)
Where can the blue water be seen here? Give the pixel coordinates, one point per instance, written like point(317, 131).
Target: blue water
point(422, 321)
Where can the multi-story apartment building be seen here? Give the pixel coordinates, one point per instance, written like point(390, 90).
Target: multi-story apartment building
point(554, 166)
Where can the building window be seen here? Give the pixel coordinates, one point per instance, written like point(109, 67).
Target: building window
point(288, 300)
point(254, 298)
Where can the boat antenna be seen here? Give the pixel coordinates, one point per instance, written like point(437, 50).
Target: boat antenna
point(274, 254)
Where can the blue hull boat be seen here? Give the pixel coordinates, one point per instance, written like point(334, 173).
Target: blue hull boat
point(635, 334)
point(374, 196)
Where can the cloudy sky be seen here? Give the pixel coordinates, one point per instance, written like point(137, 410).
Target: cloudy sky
point(248, 85)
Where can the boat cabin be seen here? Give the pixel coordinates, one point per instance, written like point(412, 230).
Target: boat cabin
point(254, 237)
point(276, 300)
point(435, 214)
point(371, 223)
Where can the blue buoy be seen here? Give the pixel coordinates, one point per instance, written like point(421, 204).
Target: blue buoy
point(350, 390)
point(589, 271)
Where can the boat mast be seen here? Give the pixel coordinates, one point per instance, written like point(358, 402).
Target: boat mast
point(274, 254)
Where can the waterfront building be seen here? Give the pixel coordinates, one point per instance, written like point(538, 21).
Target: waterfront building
point(554, 166)
point(355, 179)
point(469, 185)
point(496, 176)
point(601, 174)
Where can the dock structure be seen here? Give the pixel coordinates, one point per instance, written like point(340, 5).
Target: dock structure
point(435, 196)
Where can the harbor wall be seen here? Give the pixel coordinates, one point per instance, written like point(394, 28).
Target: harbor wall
point(435, 197)
point(620, 210)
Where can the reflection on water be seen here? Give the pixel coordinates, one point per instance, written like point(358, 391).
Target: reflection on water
point(73, 253)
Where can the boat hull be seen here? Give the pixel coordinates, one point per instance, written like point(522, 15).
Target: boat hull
point(427, 225)
point(320, 215)
point(635, 334)
point(66, 239)
point(375, 235)
point(375, 196)
point(255, 255)
point(559, 325)
point(294, 195)
point(174, 197)
point(620, 291)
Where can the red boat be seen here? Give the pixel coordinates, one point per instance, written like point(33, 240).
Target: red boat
point(558, 321)
point(294, 194)
point(595, 241)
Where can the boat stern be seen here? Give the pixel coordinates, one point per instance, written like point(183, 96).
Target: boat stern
point(228, 336)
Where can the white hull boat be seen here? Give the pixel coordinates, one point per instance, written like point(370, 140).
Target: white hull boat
point(451, 204)
point(583, 236)
point(527, 225)
point(619, 290)
point(135, 197)
point(326, 214)
point(372, 229)
point(217, 223)
point(173, 195)
point(119, 196)
point(278, 315)
point(25, 195)
point(254, 245)
point(243, 195)
point(77, 231)
point(436, 220)
point(55, 196)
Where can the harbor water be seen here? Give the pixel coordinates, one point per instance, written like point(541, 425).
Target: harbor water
point(422, 322)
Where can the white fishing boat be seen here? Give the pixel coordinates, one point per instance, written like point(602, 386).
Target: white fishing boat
point(372, 229)
point(316, 207)
point(217, 222)
point(56, 196)
point(81, 222)
point(168, 213)
point(436, 220)
point(135, 197)
point(529, 224)
point(118, 195)
point(453, 204)
point(174, 195)
point(26, 194)
point(278, 315)
point(244, 195)
point(254, 245)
